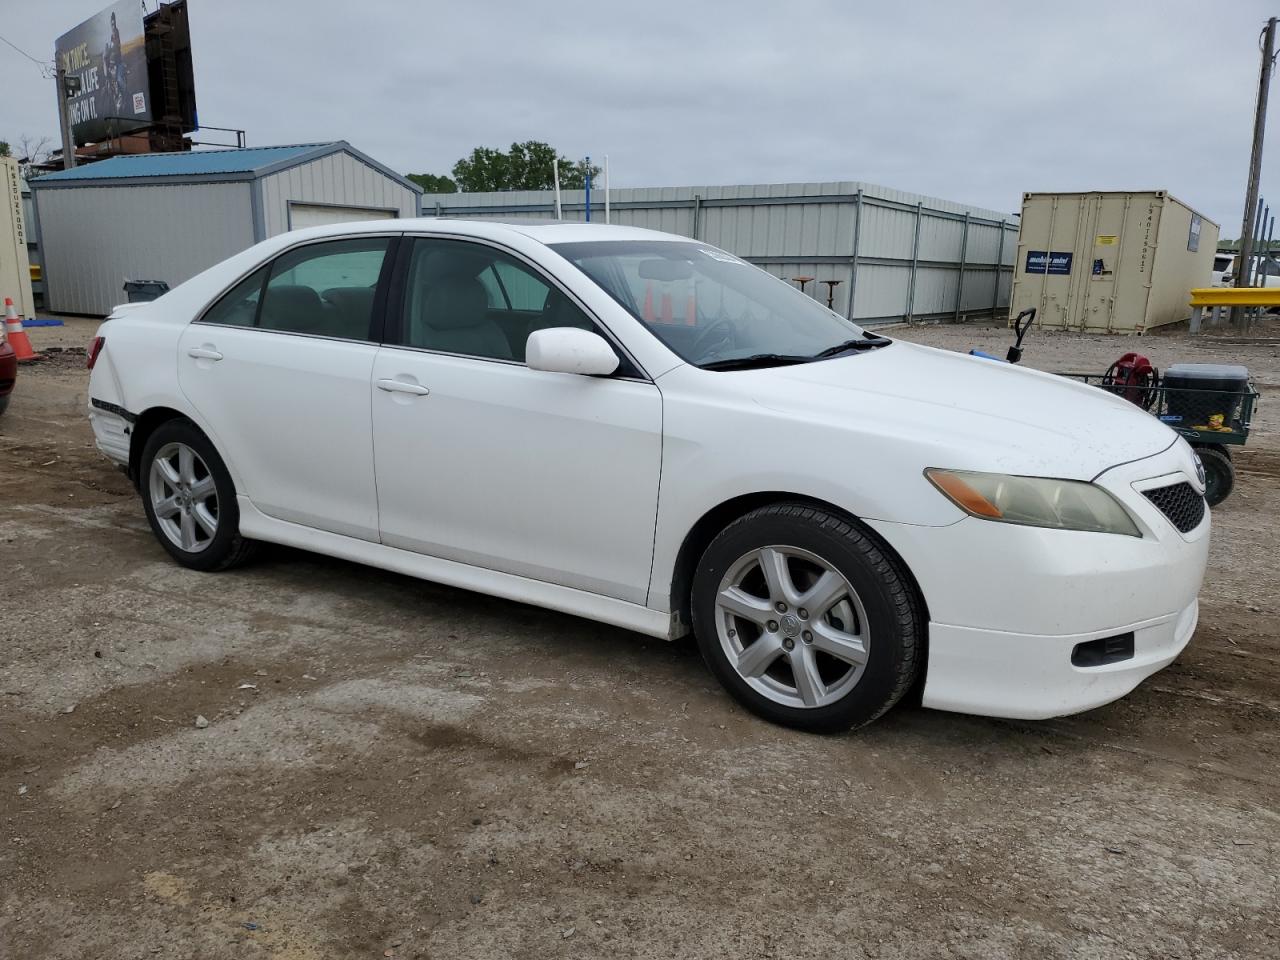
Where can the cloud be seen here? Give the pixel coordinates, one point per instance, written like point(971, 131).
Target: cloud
point(975, 102)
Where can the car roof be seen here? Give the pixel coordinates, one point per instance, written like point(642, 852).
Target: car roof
point(542, 231)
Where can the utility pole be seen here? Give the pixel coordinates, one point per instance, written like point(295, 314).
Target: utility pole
point(1255, 164)
point(64, 122)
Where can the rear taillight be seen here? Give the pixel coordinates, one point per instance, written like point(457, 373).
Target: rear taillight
point(95, 348)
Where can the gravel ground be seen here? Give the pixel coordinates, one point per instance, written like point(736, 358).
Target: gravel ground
point(393, 768)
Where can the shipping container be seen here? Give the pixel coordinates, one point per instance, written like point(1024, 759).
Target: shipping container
point(15, 268)
point(1110, 262)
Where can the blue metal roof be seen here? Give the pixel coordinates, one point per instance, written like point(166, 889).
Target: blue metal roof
point(193, 164)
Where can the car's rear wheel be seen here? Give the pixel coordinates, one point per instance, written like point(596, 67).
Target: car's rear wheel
point(805, 619)
point(190, 500)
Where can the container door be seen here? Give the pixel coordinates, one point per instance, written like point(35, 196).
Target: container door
point(1119, 271)
point(1047, 267)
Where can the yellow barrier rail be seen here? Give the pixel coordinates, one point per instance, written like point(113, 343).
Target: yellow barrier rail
point(1235, 297)
point(1215, 298)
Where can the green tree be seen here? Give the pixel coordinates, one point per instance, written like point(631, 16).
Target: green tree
point(4, 149)
point(433, 182)
point(526, 166)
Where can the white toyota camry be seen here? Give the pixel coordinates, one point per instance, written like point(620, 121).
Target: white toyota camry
point(647, 431)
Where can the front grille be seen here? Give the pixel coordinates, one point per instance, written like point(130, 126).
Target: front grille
point(1180, 503)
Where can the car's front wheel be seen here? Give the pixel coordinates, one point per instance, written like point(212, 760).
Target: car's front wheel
point(190, 500)
point(805, 619)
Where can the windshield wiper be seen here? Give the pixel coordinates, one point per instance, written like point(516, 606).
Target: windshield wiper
point(868, 342)
point(755, 360)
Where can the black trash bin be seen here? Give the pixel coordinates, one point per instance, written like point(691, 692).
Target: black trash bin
point(1206, 396)
point(144, 291)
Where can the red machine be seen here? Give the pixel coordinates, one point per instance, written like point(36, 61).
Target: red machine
point(1133, 377)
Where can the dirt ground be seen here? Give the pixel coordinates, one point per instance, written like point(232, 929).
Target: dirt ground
point(393, 768)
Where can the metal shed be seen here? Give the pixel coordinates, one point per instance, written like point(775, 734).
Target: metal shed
point(892, 255)
point(168, 216)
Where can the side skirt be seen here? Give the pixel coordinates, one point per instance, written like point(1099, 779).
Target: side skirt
point(618, 613)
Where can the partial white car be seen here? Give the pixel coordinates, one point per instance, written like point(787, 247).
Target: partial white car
point(647, 431)
point(1224, 269)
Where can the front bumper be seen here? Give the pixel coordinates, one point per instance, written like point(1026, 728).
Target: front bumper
point(1008, 605)
point(1031, 677)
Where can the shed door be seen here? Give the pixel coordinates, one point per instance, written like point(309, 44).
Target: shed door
point(318, 214)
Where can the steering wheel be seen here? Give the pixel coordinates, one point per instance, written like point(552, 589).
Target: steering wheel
point(705, 339)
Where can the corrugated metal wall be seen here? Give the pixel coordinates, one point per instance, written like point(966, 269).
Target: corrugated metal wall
point(92, 238)
point(338, 179)
point(895, 255)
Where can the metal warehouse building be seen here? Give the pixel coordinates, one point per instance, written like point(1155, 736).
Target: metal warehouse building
point(895, 255)
point(168, 216)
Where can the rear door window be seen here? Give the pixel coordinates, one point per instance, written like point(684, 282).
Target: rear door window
point(323, 289)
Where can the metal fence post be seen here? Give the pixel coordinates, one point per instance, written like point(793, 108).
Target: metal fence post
point(964, 262)
point(915, 264)
point(995, 292)
point(697, 216)
point(857, 238)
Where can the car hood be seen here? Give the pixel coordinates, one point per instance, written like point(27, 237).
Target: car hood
point(966, 412)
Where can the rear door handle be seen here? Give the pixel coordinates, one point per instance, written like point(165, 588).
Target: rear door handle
point(204, 353)
point(402, 386)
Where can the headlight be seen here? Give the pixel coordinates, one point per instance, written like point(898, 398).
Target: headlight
point(1034, 501)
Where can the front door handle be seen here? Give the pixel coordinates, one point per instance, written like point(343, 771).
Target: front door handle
point(204, 353)
point(403, 386)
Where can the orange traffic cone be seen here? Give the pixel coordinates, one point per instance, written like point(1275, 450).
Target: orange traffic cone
point(18, 338)
point(647, 314)
point(666, 316)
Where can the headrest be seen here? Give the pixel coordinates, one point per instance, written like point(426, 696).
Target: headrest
point(455, 302)
point(291, 307)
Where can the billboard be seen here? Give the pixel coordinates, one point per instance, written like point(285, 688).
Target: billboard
point(105, 59)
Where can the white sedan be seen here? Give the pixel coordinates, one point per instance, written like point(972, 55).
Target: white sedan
point(647, 431)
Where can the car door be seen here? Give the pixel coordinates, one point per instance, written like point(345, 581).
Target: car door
point(279, 371)
point(480, 459)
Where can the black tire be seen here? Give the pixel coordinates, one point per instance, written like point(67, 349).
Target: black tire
point(893, 616)
point(226, 548)
point(1219, 474)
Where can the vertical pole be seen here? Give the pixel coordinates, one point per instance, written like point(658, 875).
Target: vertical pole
point(1257, 243)
point(995, 292)
point(857, 239)
point(964, 258)
point(588, 168)
point(1255, 157)
point(606, 188)
point(1251, 265)
point(64, 122)
point(1266, 263)
point(915, 264)
point(555, 175)
point(697, 216)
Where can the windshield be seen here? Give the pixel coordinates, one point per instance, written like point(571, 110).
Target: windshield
point(711, 308)
point(1222, 264)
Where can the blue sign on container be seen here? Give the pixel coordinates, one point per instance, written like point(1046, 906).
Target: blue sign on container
point(1050, 262)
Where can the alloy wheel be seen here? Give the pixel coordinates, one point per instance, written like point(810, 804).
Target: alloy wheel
point(792, 626)
point(184, 497)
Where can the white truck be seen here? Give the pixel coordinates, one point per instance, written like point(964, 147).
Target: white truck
point(1224, 271)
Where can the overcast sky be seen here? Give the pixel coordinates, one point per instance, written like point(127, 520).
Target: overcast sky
point(973, 102)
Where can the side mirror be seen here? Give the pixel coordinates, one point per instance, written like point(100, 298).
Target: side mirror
point(570, 350)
